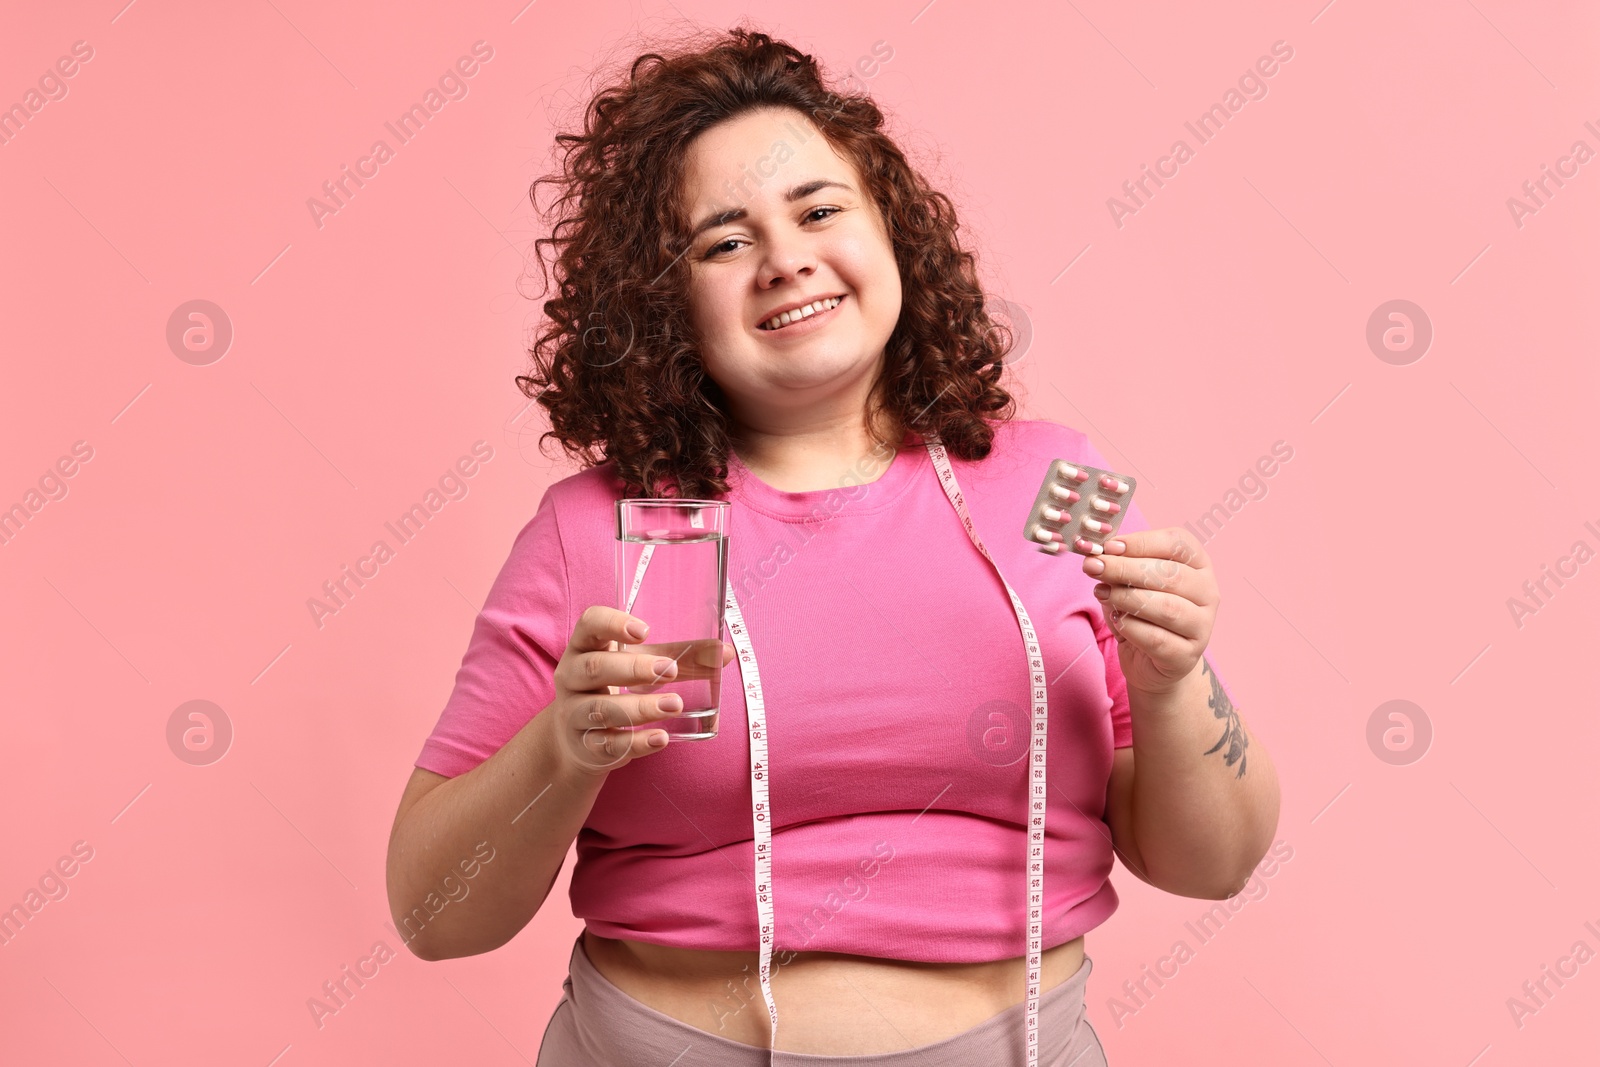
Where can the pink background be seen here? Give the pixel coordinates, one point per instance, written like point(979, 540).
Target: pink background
point(1229, 312)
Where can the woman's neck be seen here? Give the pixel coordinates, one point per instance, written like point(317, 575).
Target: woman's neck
point(825, 458)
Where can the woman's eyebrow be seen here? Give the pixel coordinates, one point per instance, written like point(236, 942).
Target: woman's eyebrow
point(726, 215)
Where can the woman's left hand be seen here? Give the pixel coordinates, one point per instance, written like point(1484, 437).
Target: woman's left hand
point(1160, 598)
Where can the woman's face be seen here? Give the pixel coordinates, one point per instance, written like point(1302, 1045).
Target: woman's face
point(762, 252)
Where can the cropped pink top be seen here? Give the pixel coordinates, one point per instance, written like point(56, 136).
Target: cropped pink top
point(897, 698)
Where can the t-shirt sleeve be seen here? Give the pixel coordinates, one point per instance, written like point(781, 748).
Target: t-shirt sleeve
point(508, 672)
point(1116, 683)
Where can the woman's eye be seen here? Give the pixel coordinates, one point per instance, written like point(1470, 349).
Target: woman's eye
point(722, 246)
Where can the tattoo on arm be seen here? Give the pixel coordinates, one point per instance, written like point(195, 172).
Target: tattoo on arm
point(1233, 734)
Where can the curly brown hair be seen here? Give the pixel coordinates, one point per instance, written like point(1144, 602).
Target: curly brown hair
point(617, 364)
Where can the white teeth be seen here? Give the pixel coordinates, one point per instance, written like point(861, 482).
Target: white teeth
point(778, 321)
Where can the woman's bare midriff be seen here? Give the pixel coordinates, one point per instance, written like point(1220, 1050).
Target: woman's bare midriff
point(829, 1003)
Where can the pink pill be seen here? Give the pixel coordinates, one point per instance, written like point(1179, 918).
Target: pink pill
point(1065, 470)
point(1042, 534)
point(1052, 514)
point(1096, 526)
point(1105, 505)
point(1115, 485)
point(1087, 547)
point(1063, 494)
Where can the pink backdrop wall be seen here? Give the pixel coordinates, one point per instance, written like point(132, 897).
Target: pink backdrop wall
point(1187, 333)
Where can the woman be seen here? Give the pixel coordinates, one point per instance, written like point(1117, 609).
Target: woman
point(762, 301)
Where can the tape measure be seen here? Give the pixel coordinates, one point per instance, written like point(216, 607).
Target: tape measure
point(761, 806)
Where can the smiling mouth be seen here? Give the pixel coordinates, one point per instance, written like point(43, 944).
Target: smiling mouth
point(789, 318)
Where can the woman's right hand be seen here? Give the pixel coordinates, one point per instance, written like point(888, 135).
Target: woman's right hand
point(595, 722)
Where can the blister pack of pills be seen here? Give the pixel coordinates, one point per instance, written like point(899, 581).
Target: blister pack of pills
point(1078, 507)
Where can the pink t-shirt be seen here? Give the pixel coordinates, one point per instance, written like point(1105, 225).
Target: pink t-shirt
point(897, 695)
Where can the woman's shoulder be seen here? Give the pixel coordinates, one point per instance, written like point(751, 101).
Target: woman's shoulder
point(1036, 438)
point(574, 505)
point(597, 482)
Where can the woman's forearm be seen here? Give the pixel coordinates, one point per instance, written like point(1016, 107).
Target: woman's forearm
point(527, 805)
point(1205, 792)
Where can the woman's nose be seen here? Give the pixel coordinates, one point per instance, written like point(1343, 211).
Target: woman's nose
point(787, 256)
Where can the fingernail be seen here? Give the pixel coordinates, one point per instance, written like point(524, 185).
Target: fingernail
point(657, 740)
point(1116, 548)
point(1102, 591)
point(1094, 566)
point(672, 702)
point(637, 629)
point(666, 668)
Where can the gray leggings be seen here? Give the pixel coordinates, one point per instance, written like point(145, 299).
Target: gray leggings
point(598, 1025)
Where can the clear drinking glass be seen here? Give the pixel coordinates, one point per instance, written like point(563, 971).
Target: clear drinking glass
point(672, 572)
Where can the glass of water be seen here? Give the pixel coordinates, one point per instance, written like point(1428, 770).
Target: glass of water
point(672, 572)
